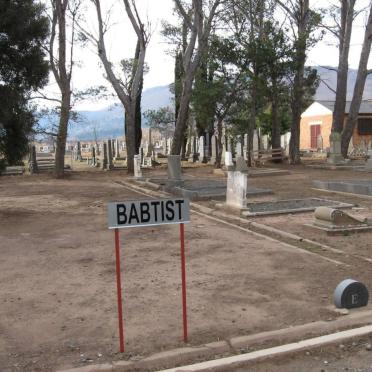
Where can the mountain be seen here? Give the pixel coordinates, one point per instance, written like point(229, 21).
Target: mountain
point(108, 122)
point(329, 77)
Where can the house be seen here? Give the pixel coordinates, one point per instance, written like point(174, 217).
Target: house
point(316, 124)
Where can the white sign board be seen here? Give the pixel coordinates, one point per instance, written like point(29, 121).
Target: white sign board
point(148, 213)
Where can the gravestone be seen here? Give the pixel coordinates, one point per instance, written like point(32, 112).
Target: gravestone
point(223, 140)
point(174, 168)
point(350, 294)
point(238, 147)
point(110, 165)
point(241, 165)
point(228, 160)
point(169, 145)
point(265, 142)
point(245, 146)
point(137, 166)
point(104, 156)
point(236, 189)
point(201, 150)
point(214, 150)
point(32, 160)
point(255, 144)
point(335, 156)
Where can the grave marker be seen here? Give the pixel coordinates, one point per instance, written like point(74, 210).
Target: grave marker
point(350, 294)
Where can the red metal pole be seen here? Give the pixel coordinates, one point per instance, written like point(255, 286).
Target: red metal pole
point(183, 269)
point(118, 285)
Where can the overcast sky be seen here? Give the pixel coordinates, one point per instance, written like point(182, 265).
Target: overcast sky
point(121, 43)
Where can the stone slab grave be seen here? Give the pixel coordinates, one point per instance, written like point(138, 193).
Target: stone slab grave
point(360, 187)
point(336, 222)
point(290, 206)
point(12, 171)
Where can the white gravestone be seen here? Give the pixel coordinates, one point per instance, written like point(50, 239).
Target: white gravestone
point(201, 150)
point(236, 189)
point(137, 166)
point(228, 159)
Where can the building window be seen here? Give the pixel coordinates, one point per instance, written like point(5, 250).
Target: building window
point(365, 126)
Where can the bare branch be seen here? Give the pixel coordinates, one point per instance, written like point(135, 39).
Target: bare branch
point(328, 86)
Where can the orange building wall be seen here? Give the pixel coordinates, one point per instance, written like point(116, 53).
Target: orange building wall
point(357, 139)
point(325, 130)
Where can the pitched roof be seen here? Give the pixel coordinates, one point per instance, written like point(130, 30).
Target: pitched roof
point(365, 106)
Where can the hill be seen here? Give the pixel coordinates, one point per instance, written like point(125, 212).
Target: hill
point(109, 122)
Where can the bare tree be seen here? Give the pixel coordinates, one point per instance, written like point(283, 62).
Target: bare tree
point(341, 28)
point(302, 21)
point(61, 62)
point(127, 89)
point(199, 28)
point(352, 118)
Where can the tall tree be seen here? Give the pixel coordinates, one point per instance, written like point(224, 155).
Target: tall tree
point(129, 88)
point(61, 54)
point(199, 28)
point(23, 69)
point(342, 30)
point(352, 117)
point(303, 22)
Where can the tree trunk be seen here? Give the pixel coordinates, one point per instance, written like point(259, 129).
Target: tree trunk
point(62, 136)
point(182, 115)
point(130, 138)
point(275, 123)
point(352, 118)
point(347, 14)
point(219, 144)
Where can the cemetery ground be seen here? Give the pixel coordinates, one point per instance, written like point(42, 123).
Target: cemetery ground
point(57, 269)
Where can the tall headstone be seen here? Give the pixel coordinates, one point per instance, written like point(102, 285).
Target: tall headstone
point(137, 166)
point(174, 168)
point(228, 159)
point(255, 144)
point(104, 156)
point(223, 140)
point(335, 156)
point(238, 147)
point(236, 192)
point(245, 146)
point(110, 165)
point(32, 160)
point(201, 150)
point(265, 142)
point(214, 150)
point(319, 142)
point(169, 146)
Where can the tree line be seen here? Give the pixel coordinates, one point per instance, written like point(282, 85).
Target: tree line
point(238, 65)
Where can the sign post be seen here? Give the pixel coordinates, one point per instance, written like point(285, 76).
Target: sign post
point(138, 213)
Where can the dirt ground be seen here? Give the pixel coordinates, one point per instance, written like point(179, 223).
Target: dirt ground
point(57, 271)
